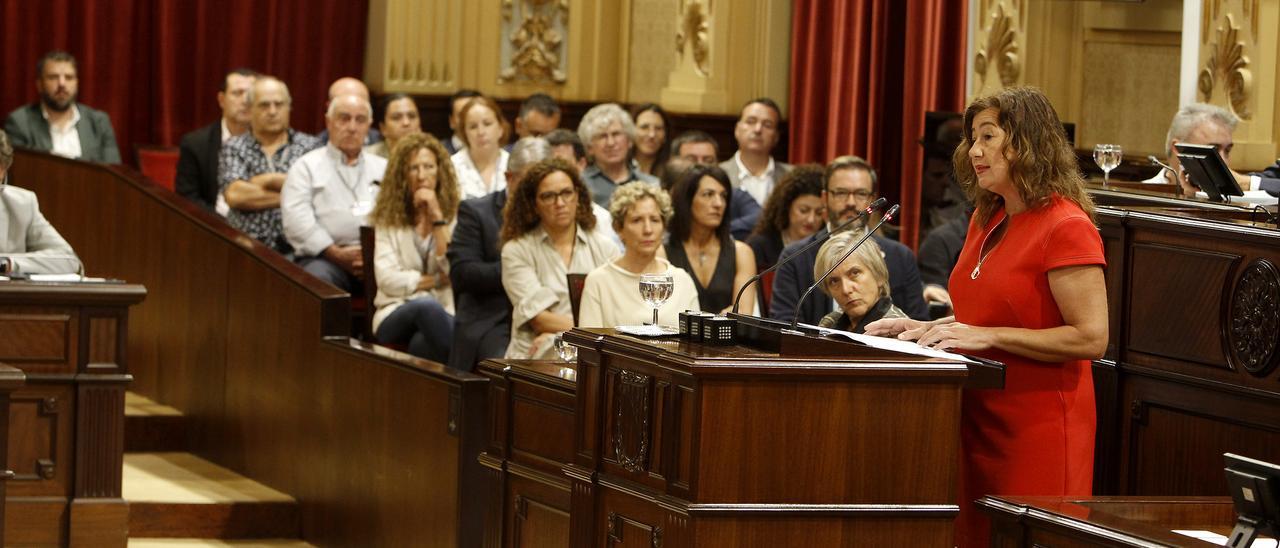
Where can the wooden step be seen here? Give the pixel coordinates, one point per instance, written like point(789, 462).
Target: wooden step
point(152, 426)
point(215, 543)
point(180, 495)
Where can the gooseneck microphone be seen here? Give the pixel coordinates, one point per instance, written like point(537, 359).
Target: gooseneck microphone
point(874, 206)
point(887, 216)
point(1164, 166)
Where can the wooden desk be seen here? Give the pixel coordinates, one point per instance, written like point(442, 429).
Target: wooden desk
point(675, 444)
point(1146, 522)
point(11, 379)
point(67, 424)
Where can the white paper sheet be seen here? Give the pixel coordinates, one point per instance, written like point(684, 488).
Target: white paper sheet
point(885, 343)
point(1210, 536)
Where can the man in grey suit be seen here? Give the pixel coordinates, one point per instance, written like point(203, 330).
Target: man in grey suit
point(28, 243)
point(752, 168)
point(57, 123)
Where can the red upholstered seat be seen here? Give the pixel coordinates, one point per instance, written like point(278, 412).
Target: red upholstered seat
point(160, 164)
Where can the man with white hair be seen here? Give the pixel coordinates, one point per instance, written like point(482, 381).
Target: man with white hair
point(349, 86)
point(608, 133)
point(252, 165)
point(1202, 124)
point(328, 193)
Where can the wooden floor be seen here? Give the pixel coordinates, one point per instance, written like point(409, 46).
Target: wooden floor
point(179, 478)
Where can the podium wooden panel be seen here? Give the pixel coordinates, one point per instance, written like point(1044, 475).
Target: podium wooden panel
point(66, 426)
point(1113, 522)
point(671, 443)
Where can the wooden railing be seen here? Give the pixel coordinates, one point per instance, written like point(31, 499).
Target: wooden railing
point(377, 446)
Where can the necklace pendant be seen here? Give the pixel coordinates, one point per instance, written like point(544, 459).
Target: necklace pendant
point(976, 270)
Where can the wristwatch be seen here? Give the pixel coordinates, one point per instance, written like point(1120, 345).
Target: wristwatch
point(440, 222)
point(5, 265)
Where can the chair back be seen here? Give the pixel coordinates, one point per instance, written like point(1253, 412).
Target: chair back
point(766, 291)
point(367, 239)
point(576, 283)
point(160, 164)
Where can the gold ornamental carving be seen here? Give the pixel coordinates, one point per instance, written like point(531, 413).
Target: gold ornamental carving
point(1001, 48)
point(534, 41)
point(695, 32)
point(1228, 66)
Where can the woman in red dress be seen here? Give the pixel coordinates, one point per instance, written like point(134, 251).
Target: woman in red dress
point(1028, 291)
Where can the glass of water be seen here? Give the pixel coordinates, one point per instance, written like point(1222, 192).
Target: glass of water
point(568, 353)
point(1107, 157)
point(655, 289)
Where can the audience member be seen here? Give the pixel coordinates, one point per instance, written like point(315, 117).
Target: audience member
point(458, 100)
point(700, 242)
point(652, 125)
point(482, 161)
point(482, 326)
point(349, 86)
point(413, 220)
point(58, 123)
point(30, 245)
point(608, 133)
point(697, 147)
point(850, 184)
point(793, 212)
point(565, 144)
point(399, 120)
point(611, 295)
point(859, 286)
point(547, 233)
point(1196, 124)
point(941, 198)
point(938, 255)
point(252, 166)
point(328, 193)
point(539, 115)
point(752, 168)
point(197, 175)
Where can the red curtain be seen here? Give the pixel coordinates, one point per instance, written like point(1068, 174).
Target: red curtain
point(863, 73)
point(155, 65)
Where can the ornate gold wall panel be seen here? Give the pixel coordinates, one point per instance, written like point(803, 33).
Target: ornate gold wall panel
point(1239, 64)
point(580, 50)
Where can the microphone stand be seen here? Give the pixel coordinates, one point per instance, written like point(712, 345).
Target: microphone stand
point(887, 216)
point(879, 203)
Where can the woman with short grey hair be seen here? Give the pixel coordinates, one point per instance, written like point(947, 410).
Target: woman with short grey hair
point(609, 133)
point(860, 285)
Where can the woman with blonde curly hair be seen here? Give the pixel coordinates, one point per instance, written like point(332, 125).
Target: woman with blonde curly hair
point(611, 296)
point(548, 232)
point(413, 220)
point(1028, 291)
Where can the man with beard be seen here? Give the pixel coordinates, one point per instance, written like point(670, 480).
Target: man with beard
point(57, 123)
point(850, 184)
point(197, 177)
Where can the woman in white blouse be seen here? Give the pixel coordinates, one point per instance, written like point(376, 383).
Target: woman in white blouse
point(548, 232)
point(482, 164)
point(413, 220)
point(611, 296)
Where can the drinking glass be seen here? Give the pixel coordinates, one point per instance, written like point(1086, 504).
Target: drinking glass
point(1108, 157)
point(655, 289)
point(567, 352)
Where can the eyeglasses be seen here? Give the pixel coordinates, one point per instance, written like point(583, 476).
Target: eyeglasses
point(845, 194)
point(548, 198)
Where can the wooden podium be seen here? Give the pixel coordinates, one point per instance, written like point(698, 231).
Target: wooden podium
point(680, 444)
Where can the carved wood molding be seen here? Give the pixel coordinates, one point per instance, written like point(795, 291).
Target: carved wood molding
point(694, 30)
point(1228, 66)
point(1253, 321)
point(534, 35)
point(1001, 47)
point(631, 420)
point(45, 468)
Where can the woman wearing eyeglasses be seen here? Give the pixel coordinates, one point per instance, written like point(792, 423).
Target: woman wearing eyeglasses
point(548, 232)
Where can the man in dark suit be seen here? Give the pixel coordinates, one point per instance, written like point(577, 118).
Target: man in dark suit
point(849, 185)
point(197, 178)
point(482, 323)
point(57, 123)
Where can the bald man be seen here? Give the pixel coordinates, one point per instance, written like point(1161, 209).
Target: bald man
point(349, 86)
point(328, 193)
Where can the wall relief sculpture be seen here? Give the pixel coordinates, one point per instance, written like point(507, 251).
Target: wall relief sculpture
point(534, 36)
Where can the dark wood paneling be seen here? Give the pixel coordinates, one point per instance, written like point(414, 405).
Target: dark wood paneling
point(379, 448)
point(1176, 280)
point(11, 379)
point(1115, 522)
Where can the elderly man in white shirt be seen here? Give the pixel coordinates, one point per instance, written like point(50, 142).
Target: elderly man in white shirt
point(328, 193)
point(752, 168)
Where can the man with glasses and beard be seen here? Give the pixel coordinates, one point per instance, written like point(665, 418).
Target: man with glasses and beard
point(57, 123)
point(850, 184)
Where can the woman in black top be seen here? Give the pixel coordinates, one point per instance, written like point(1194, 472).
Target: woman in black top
point(793, 212)
point(700, 242)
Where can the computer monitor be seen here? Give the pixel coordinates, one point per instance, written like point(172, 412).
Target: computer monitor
point(1207, 170)
point(1255, 489)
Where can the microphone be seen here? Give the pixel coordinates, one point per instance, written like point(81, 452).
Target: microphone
point(887, 216)
point(1164, 166)
point(874, 206)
